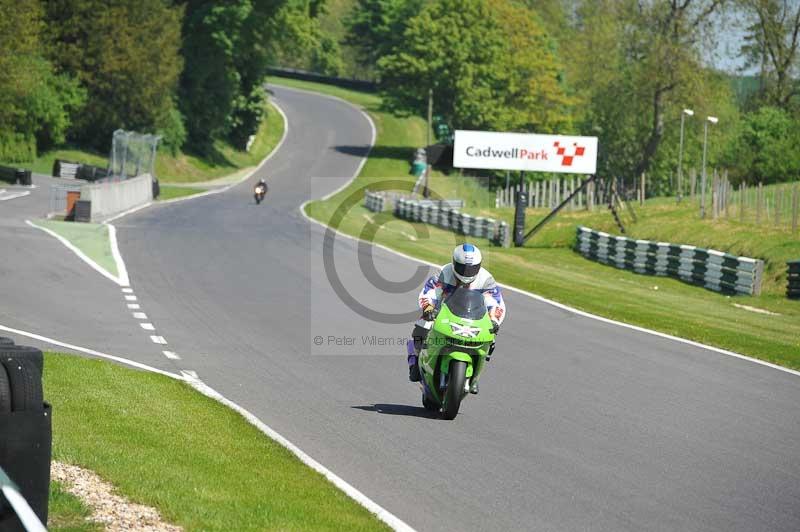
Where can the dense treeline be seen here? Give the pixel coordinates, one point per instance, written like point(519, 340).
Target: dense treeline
point(622, 70)
point(192, 71)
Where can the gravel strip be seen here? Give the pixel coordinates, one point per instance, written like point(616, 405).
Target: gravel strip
point(113, 511)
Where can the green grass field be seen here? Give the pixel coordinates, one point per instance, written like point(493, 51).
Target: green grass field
point(199, 463)
point(171, 192)
point(184, 167)
point(91, 239)
point(547, 265)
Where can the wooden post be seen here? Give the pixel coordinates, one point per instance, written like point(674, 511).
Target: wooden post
point(714, 195)
point(693, 179)
point(742, 189)
point(728, 193)
point(795, 204)
point(778, 204)
point(759, 192)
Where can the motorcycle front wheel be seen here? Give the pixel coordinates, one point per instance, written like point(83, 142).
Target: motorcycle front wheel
point(455, 389)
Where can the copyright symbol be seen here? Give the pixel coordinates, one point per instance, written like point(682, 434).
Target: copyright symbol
point(318, 340)
point(365, 258)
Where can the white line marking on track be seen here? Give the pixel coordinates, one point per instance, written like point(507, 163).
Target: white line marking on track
point(129, 211)
point(5, 196)
point(133, 306)
point(524, 292)
point(88, 351)
point(158, 340)
point(122, 271)
point(147, 326)
point(190, 374)
point(171, 355)
point(130, 298)
point(140, 315)
point(102, 271)
point(127, 290)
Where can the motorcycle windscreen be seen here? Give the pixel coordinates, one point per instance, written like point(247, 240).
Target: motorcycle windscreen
point(466, 303)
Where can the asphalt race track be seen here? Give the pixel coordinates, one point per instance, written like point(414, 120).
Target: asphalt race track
point(580, 424)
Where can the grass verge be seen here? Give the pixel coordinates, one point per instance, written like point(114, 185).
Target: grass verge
point(170, 192)
point(66, 512)
point(91, 239)
point(223, 159)
point(202, 465)
point(549, 267)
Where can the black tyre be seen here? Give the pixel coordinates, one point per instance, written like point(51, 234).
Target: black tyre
point(23, 351)
point(6, 341)
point(26, 385)
point(5, 391)
point(455, 389)
point(428, 404)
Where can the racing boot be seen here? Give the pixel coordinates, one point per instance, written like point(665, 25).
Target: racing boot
point(413, 362)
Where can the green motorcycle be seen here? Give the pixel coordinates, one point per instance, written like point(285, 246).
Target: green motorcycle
point(455, 351)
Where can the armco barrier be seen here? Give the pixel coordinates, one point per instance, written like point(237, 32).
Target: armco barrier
point(709, 268)
point(110, 198)
point(443, 214)
point(793, 284)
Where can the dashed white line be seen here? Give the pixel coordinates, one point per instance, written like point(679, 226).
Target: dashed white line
point(127, 290)
point(189, 373)
point(171, 355)
point(140, 315)
point(147, 326)
point(158, 340)
point(130, 298)
point(133, 306)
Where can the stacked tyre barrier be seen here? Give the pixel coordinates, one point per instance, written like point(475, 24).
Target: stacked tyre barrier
point(374, 202)
point(25, 430)
point(793, 288)
point(75, 170)
point(709, 268)
point(443, 214)
point(18, 176)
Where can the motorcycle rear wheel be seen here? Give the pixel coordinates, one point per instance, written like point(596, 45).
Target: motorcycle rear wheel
point(455, 389)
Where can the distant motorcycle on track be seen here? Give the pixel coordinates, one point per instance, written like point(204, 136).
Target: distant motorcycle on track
point(259, 192)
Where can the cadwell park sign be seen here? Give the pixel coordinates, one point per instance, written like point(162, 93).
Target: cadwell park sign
point(526, 152)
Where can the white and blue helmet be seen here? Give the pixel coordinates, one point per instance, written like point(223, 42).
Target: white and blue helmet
point(466, 262)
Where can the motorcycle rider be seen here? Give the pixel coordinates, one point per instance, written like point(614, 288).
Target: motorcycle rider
point(464, 270)
point(261, 183)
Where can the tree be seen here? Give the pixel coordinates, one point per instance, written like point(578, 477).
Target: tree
point(35, 101)
point(375, 27)
point(227, 49)
point(489, 64)
point(125, 54)
point(772, 44)
point(767, 147)
point(635, 66)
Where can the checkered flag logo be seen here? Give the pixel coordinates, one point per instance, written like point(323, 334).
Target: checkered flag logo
point(566, 160)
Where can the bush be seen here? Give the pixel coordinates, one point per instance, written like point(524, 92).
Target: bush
point(172, 131)
point(17, 147)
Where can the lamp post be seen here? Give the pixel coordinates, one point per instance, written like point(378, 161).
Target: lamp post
point(713, 120)
point(684, 114)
